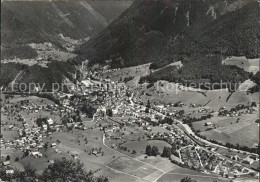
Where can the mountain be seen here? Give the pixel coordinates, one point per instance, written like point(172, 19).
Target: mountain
point(198, 33)
point(26, 25)
point(147, 30)
point(28, 22)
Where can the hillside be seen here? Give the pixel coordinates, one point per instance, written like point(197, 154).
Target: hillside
point(197, 33)
point(48, 31)
point(18, 77)
point(151, 31)
point(37, 22)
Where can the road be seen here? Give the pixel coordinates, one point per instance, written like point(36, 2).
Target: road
point(189, 133)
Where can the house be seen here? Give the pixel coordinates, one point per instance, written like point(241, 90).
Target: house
point(50, 121)
point(36, 154)
point(254, 157)
point(148, 128)
point(214, 113)
point(114, 111)
point(108, 130)
point(236, 157)
point(113, 146)
point(255, 145)
point(9, 171)
point(51, 161)
point(53, 145)
point(75, 154)
point(208, 124)
point(248, 160)
point(95, 152)
point(45, 127)
point(11, 127)
point(6, 163)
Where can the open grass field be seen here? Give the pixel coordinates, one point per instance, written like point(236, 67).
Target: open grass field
point(249, 65)
point(143, 169)
point(132, 167)
point(162, 94)
point(180, 173)
point(245, 132)
point(118, 176)
point(136, 72)
point(140, 146)
point(32, 99)
point(159, 162)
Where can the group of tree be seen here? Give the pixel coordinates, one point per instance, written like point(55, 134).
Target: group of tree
point(188, 179)
point(89, 110)
point(167, 151)
point(151, 151)
point(41, 121)
point(126, 79)
point(60, 171)
point(256, 79)
point(188, 120)
point(204, 72)
point(166, 120)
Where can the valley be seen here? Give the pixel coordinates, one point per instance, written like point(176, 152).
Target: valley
point(113, 140)
point(142, 91)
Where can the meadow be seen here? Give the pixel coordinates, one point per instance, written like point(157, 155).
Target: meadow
point(245, 132)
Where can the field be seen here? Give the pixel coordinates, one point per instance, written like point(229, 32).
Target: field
point(166, 92)
point(245, 132)
point(249, 65)
point(132, 72)
point(143, 169)
point(177, 174)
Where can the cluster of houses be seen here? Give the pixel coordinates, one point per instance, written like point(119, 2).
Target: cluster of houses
point(31, 138)
point(237, 111)
point(193, 157)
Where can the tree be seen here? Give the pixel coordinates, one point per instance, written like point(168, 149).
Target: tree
point(59, 171)
point(88, 110)
point(148, 150)
point(46, 146)
point(146, 110)
point(155, 151)
point(8, 158)
point(148, 105)
point(26, 153)
point(166, 152)
point(253, 104)
point(68, 170)
point(167, 120)
point(41, 121)
point(109, 113)
point(188, 179)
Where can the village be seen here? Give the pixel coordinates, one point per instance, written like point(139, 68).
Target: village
point(123, 117)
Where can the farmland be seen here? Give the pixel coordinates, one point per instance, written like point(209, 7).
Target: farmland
point(245, 132)
point(177, 174)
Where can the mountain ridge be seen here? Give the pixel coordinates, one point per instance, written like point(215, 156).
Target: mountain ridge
point(28, 22)
point(126, 36)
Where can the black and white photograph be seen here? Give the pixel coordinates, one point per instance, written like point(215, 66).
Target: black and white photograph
point(130, 91)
